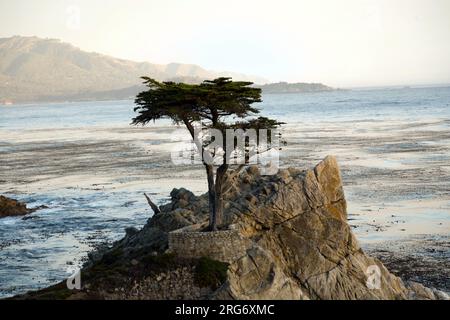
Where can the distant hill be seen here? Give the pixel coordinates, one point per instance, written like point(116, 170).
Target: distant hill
point(284, 87)
point(35, 69)
point(43, 70)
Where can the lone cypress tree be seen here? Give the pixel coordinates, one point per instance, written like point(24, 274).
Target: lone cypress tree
point(219, 104)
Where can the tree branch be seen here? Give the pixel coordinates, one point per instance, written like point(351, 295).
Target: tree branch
point(154, 207)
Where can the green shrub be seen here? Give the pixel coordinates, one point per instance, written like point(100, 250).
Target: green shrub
point(161, 262)
point(210, 273)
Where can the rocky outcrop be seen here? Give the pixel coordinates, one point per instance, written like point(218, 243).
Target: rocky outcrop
point(11, 207)
point(303, 247)
point(300, 245)
point(295, 241)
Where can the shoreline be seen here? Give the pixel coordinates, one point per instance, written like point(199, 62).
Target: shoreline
point(419, 258)
point(395, 170)
point(314, 227)
point(422, 259)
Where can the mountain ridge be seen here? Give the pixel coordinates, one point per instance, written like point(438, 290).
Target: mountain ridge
point(34, 69)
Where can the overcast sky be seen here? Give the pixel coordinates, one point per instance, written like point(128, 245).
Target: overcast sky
point(343, 43)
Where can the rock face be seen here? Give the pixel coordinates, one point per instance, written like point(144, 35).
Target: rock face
point(11, 207)
point(302, 246)
point(298, 244)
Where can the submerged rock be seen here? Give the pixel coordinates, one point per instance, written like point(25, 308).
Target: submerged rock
point(11, 207)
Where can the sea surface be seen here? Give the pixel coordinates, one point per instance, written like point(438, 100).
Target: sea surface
point(90, 167)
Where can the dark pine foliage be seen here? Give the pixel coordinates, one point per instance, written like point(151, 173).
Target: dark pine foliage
point(220, 104)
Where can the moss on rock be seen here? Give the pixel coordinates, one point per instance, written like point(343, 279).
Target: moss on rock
point(210, 273)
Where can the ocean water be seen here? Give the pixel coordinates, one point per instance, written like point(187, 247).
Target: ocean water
point(90, 168)
point(346, 105)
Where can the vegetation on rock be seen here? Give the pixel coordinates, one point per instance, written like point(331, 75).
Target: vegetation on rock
point(214, 104)
point(210, 273)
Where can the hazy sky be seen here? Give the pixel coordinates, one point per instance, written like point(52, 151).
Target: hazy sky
point(341, 43)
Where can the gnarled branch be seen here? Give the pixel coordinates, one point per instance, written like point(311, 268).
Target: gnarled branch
point(154, 207)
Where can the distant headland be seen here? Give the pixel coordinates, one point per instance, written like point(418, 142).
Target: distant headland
point(299, 87)
point(48, 70)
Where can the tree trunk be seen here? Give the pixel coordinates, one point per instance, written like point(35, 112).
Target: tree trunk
point(211, 194)
point(209, 173)
point(218, 203)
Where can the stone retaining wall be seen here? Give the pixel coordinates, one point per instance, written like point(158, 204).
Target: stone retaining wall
point(226, 245)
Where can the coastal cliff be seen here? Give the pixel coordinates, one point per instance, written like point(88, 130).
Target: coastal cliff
point(284, 236)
